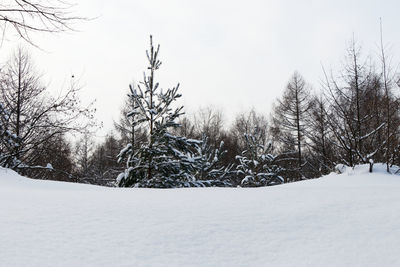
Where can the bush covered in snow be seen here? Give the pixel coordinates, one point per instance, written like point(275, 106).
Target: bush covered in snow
point(256, 164)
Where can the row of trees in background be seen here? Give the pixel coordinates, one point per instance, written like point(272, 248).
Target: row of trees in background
point(353, 120)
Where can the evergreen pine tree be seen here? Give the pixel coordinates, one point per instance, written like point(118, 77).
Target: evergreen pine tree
point(164, 160)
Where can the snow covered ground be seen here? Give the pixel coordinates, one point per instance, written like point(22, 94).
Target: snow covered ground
point(352, 219)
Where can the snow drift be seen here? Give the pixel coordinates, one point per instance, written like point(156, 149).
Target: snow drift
point(351, 219)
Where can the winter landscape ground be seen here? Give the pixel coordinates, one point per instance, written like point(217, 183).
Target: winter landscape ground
point(351, 219)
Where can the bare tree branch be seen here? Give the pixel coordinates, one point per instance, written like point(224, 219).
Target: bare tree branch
point(26, 17)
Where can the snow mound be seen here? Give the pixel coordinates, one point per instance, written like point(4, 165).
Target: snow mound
point(379, 168)
point(349, 219)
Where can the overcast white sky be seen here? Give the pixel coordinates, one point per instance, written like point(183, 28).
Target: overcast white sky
point(233, 55)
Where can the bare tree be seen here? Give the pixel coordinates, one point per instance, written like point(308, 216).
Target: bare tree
point(9, 141)
point(26, 17)
point(289, 117)
point(83, 151)
point(53, 160)
point(34, 116)
point(319, 136)
point(128, 131)
point(388, 81)
point(355, 113)
point(209, 121)
point(187, 128)
point(103, 166)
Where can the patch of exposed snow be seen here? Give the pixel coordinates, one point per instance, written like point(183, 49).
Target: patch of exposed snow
point(351, 219)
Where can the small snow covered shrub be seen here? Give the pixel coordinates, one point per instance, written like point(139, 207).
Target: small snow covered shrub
point(209, 161)
point(256, 164)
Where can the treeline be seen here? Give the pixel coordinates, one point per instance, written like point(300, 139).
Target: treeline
point(351, 118)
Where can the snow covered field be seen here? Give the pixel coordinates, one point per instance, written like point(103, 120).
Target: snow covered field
point(352, 219)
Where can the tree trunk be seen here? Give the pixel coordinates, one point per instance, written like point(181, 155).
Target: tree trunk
point(298, 129)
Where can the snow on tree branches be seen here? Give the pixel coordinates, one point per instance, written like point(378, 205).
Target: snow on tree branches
point(256, 164)
point(209, 163)
point(164, 160)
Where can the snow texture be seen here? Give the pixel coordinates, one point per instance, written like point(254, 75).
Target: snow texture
point(349, 219)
